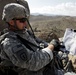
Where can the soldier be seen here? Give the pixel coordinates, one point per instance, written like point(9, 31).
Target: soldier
point(19, 47)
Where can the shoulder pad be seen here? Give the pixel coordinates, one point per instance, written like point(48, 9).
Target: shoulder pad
point(2, 37)
point(7, 34)
point(3, 31)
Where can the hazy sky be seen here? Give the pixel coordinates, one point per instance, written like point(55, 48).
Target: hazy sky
point(60, 7)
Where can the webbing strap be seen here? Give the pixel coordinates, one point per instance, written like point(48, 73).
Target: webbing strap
point(26, 42)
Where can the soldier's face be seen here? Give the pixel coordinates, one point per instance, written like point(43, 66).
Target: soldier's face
point(20, 23)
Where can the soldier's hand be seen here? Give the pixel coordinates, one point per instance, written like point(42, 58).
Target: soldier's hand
point(56, 44)
point(51, 47)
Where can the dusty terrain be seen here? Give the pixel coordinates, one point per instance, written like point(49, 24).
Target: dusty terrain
point(46, 26)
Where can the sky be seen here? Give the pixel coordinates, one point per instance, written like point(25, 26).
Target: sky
point(56, 7)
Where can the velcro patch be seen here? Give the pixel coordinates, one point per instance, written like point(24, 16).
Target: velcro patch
point(20, 53)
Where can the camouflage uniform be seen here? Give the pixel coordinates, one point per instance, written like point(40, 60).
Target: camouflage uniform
point(31, 61)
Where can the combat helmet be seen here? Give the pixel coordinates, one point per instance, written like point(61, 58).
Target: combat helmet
point(13, 10)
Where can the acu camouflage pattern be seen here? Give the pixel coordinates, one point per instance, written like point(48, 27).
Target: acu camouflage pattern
point(14, 51)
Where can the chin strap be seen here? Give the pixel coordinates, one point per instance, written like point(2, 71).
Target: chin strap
point(31, 28)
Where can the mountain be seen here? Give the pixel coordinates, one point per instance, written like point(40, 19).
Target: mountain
point(44, 14)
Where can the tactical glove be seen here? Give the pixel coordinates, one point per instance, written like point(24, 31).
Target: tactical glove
point(56, 44)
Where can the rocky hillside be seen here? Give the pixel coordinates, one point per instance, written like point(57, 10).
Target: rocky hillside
point(46, 26)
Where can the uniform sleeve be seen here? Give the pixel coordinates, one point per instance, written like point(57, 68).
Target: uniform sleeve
point(25, 58)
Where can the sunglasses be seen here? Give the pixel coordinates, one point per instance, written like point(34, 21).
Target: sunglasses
point(22, 20)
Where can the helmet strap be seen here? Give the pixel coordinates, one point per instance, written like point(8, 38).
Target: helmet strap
point(31, 28)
